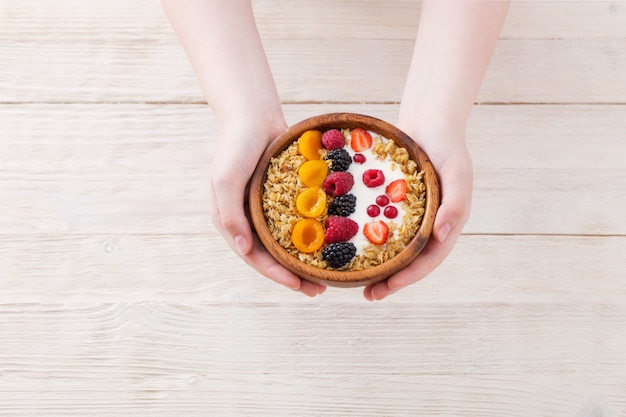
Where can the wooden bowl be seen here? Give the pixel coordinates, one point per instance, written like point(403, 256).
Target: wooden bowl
point(333, 277)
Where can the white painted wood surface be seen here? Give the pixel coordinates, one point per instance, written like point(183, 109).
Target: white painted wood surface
point(118, 297)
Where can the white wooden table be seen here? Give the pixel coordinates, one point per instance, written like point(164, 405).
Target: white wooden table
point(119, 298)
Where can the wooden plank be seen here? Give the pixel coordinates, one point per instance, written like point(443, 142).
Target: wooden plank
point(145, 168)
point(312, 394)
point(196, 268)
point(398, 19)
point(505, 201)
point(156, 70)
point(395, 19)
point(407, 359)
point(133, 139)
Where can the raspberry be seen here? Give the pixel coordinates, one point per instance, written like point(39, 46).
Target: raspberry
point(339, 254)
point(373, 178)
point(344, 205)
point(340, 159)
point(359, 158)
point(340, 229)
point(333, 139)
point(338, 183)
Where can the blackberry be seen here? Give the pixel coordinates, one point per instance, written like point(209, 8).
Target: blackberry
point(339, 254)
point(340, 158)
point(344, 205)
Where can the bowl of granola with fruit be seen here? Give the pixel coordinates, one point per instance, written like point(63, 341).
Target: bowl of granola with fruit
point(344, 199)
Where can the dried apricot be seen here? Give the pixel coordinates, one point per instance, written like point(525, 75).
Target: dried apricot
point(313, 173)
point(308, 235)
point(311, 202)
point(310, 144)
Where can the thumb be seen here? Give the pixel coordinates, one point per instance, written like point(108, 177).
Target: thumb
point(456, 180)
point(228, 212)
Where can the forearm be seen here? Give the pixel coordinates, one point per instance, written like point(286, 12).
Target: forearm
point(453, 48)
point(222, 42)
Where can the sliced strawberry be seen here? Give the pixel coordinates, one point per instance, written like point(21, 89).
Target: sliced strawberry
point(361, 140)
point(396, 191)
point(376, 232)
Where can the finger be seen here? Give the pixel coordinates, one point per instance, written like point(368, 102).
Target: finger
point(228, 209)
point(456, 198)
point(431, 257)
point(377, 291)
point(456, 188)
point(311, 289)
point(263, 262)
point(214, 213)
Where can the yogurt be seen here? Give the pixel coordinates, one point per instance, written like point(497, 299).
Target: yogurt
point(366, 196)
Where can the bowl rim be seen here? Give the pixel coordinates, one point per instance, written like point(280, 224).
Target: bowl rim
point(336, 278)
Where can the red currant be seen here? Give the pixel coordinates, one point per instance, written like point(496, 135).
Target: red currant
point(382, 200)
point(373, 210)
point(359, 158)
point(391, 212)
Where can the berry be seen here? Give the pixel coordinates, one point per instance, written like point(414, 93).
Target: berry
point(360, 140)
point(359, 158)
point(333, 139)
point(344, 205)
point(310, 144)
point(338, 183)
point(390, 212)
point(340, 159)
point(373, 178)
point(376, 232)
point(313, 173)
point(339, 254)
point(373, 210)
point(340, 229)
point(397, 190)
point(311, 202)
point(382, 200)
point(308, 235)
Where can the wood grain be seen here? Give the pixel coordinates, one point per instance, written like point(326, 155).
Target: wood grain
point(522, 71)
point(153, 177)
point(118, 296)
point(195, 268)
point(525, 361)
point(395, 19)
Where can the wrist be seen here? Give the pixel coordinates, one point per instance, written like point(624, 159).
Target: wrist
point(260, 120)
point(254, 126)
point(428, 125)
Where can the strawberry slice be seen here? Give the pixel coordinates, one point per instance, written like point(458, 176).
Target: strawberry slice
point(361, 140)
point(396, 190)
point(376, 232)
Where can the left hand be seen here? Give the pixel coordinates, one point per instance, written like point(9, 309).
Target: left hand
point(446, 149)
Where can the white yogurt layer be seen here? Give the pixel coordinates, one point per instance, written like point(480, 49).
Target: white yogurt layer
point(366, 196)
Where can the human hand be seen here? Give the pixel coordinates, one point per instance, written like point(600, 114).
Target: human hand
point(448, 153)
point(239, 150)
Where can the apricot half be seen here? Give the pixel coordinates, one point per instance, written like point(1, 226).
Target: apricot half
point(308, 235)
point(311, 202)
point(313, 173)
point(310, 144)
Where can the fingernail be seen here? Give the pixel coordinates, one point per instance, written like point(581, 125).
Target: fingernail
point(443, 232)
point(242, 244)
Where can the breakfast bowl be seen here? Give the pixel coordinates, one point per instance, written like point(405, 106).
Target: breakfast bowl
point(344, 199)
